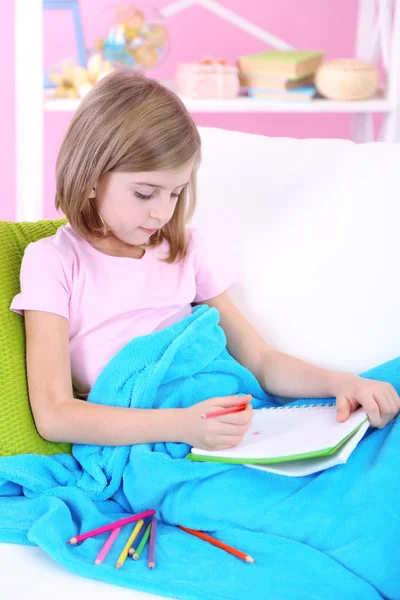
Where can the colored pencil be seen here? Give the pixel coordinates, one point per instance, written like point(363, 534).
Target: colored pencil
point(110, 526)
point(132, 550)
point(215, 542)
point(152, 548)
point(103, 552)
point(224, 411)
point(142, 544)
point(132, 537)
point(137, 537)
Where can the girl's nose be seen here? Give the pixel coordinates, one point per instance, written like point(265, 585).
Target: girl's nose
point(162, 210)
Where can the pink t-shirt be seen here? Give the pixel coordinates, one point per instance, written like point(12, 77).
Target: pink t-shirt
point(108, 300)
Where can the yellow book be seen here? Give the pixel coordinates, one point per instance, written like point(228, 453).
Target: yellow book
point(271, 82)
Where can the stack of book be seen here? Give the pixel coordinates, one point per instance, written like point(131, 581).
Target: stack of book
point(280, 74)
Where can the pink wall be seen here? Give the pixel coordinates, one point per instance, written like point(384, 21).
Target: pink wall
point(313, 24)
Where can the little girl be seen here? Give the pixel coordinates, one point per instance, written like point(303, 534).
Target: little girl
point(126, 265)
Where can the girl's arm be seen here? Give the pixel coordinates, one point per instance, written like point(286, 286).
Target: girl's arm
point(59, 417)
point(283, 375)
point(278, 373)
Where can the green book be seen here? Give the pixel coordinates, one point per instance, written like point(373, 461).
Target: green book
point(289, 64)
point(293, 440)
point(285, 56)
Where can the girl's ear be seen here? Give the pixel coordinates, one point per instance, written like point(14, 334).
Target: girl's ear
point(93, 192)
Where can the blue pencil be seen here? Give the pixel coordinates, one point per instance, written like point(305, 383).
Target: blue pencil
point(141, 533)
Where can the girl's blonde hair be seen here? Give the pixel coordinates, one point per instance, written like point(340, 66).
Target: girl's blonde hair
point(127, 123)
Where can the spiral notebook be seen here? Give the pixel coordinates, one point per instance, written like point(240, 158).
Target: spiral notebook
point(293, 441)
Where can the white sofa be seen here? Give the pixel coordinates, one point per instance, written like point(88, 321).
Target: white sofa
point(311, 227)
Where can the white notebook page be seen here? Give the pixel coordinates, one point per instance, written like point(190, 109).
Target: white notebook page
point(284, 432)
point(307, 466)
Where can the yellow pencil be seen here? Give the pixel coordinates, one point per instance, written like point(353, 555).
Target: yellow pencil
point(129, 543)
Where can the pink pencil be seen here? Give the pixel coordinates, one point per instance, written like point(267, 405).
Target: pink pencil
point(103, 552)
point(120, 523)
point(152, 548)
point(224, 411)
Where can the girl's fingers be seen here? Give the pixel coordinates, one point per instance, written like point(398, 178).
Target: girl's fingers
point(396, 399)
point(372, 409)
point(342, 408)
point(239, 418)
point(228, 401)
point(229, 429)
point(388, 409)
point(233, 442)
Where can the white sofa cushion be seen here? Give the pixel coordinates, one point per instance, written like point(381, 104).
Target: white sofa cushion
point(312, 228)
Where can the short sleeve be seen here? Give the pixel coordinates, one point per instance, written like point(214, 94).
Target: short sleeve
point(43, 282)
point(212, 272)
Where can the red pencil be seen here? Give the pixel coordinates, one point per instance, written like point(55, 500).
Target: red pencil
point(215, 542)
point(120, 523)
point(224, 411)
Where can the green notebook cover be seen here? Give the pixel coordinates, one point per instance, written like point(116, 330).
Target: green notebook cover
point(268, 461)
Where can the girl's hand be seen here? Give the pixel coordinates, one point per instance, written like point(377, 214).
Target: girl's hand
point(216, 433)
point(379, 399)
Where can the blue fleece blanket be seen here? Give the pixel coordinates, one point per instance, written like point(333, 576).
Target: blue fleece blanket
point(327, 536)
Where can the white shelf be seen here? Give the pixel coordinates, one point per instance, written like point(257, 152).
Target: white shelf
point(245, 104)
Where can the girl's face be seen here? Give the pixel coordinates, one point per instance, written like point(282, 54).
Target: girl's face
point(135, 205)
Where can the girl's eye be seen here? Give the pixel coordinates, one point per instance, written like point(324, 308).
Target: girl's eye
point(142, 196)
point(175, 196)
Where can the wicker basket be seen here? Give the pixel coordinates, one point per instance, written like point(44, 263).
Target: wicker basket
point(347, 79)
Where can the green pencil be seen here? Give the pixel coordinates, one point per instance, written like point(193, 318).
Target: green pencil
point(143, 542)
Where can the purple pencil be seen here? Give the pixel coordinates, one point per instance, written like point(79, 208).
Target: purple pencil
point(152, 548)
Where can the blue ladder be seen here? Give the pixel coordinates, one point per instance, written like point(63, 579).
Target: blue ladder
point(80, 40)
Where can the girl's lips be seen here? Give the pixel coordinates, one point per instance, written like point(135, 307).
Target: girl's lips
point(150, 231)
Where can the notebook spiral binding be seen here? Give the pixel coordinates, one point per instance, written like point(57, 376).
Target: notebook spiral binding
point(302, 407)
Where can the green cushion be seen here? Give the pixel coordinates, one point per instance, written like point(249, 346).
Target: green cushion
point(18, 434)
